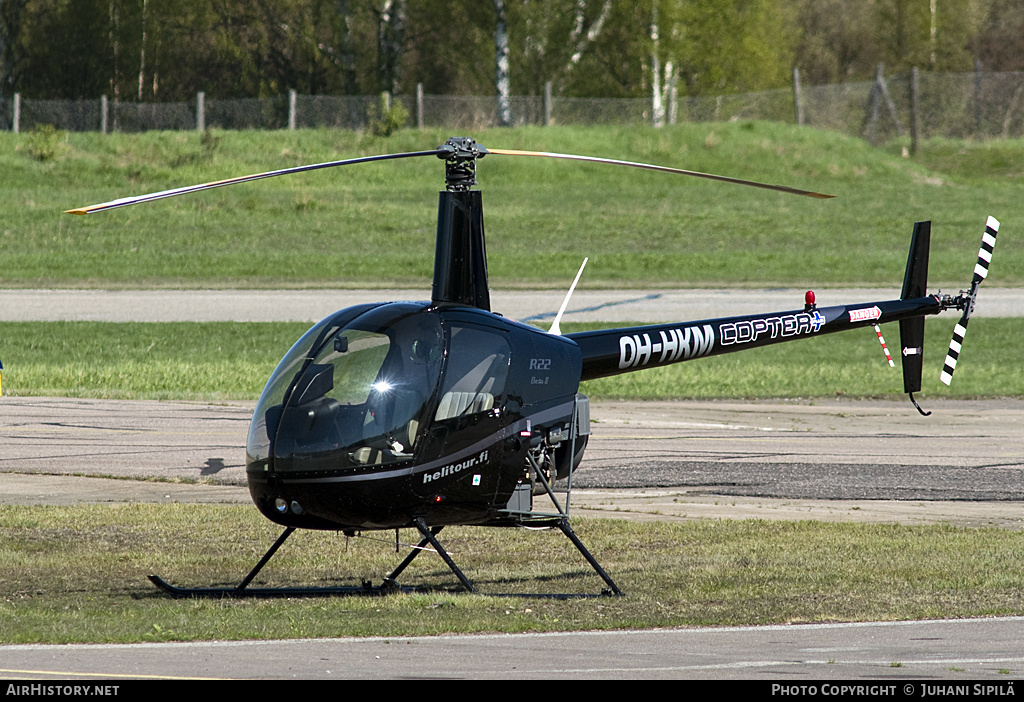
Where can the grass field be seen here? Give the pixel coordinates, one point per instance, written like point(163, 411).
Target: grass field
point(697, 573)
point(374, 224)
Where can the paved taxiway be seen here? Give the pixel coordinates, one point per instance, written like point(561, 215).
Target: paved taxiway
point(525, 305)
point(892, 653)
point(835, 459)
point(821, 460)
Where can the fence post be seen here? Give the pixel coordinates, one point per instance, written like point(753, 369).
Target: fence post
point(104, 115)
point(798, 100)
point(200, 111)
point(547, 103)
point(419, 105)
point(914, 95)
point(291, 110)
point(879, 93)
point(673, 101)
point(977, 98)
point(872, 122)
point(16, 118)
point(884, 92)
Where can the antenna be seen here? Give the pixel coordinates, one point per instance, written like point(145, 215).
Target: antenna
point(555, 328)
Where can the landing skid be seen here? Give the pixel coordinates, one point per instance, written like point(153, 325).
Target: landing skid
point(213, 592)
point(388, 586)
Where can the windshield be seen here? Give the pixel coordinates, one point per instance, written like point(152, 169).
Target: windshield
point(357, 397)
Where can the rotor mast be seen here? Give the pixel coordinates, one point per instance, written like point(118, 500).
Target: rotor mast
point(460, 257)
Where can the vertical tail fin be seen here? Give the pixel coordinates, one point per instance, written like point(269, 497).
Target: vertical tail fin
point(915, 284)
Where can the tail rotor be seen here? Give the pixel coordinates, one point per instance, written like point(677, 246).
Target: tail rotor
point(966, 301)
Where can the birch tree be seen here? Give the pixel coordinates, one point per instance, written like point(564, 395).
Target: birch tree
point(553, 40)
point(999, 42)
point(501, 77)
point(391, 23)
point(719, 46)
point(659, 95)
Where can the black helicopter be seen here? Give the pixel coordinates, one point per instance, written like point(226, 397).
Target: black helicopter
point(436, 413)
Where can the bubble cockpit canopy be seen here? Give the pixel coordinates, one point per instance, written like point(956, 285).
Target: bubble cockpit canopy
point(355, 390)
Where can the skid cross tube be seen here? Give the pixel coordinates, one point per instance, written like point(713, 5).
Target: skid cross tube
point(266, 557)
point(563, 524)
point(429, 535)
point(390, 580)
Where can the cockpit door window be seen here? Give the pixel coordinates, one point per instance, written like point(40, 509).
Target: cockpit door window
point(478, 363)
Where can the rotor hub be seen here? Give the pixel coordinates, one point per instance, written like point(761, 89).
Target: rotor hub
point(460, 155)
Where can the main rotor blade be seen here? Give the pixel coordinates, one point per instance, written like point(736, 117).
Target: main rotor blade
point(666, 169)
point(125, 201)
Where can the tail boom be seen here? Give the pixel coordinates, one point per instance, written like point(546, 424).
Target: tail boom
point(615, 351)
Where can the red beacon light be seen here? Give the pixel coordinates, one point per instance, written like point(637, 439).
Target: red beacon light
point(808, 301)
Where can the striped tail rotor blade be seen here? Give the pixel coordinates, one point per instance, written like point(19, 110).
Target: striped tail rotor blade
point(988, 244)
point(953, 355)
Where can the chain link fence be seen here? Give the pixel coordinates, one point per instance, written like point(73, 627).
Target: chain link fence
point(952, 105)
point(955, 105)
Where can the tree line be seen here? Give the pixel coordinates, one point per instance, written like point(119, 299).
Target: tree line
point(168, 50)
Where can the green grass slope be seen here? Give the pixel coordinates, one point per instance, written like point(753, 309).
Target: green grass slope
point(374, 225)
